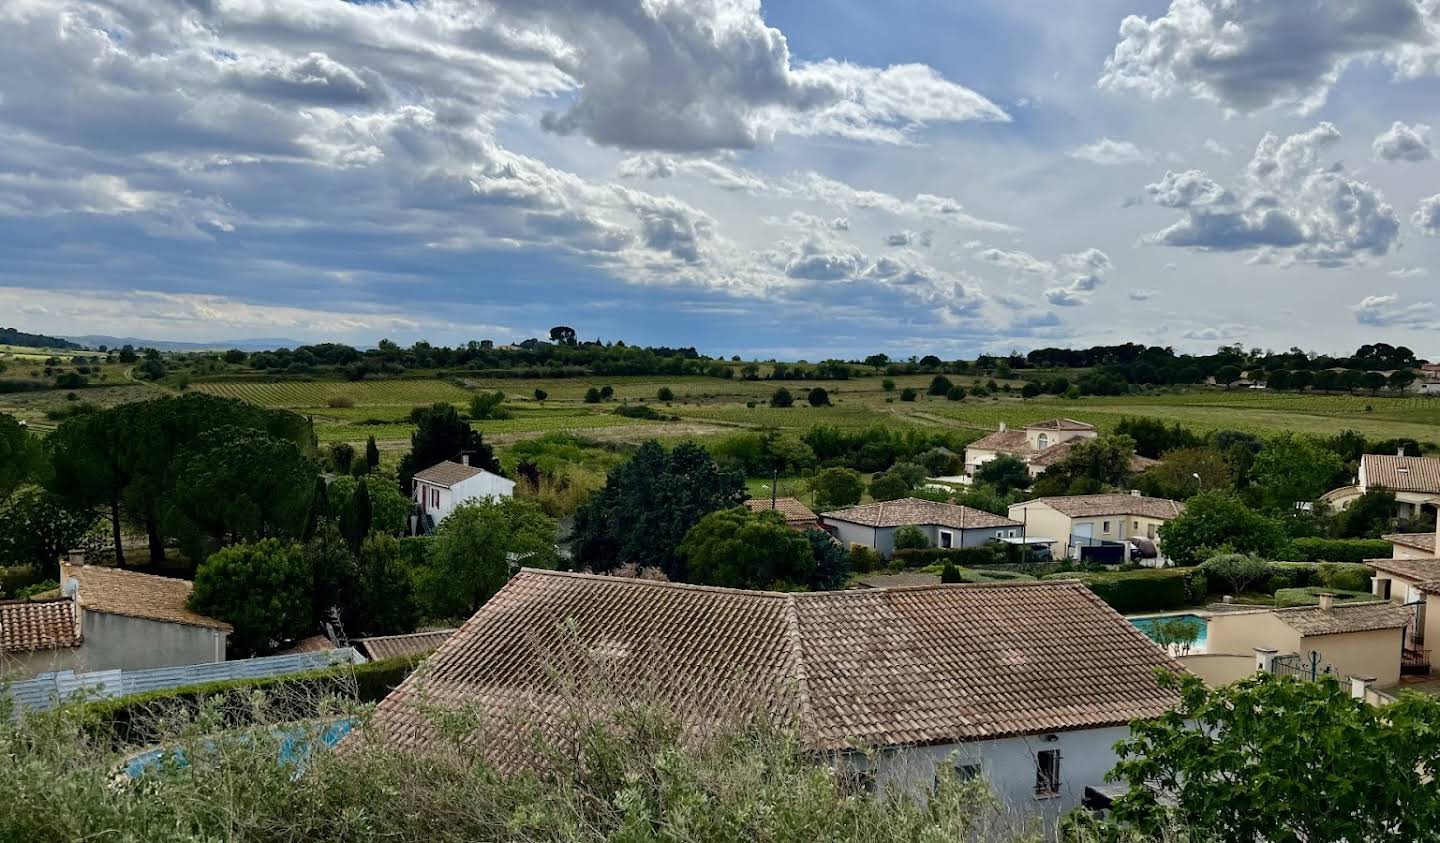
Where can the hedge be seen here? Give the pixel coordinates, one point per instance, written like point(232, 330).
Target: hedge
point(1286, 575)
point(1337, 550)
point(1145, 590)
point(1311, 596)
point(126, 721)
point(979, 556)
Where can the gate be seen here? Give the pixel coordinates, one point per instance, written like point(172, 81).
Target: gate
point(1305, 667)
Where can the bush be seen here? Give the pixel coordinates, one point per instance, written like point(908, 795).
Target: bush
point(338, 402)
point(955, 393)
point(910, 538)
point(908, 394)
point(592, 396)
point(665, 393)
point(863, 559)
point(640, 411)
point(1237, 570)
point(1146, 590)
point(818, 397)
point(1287, 597)
point(965, 557)
point(782, 398)
point(1343, 576)
point(540, 394)
point(1337, 550)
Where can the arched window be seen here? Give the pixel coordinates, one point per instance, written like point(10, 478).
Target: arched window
point(1043, 441)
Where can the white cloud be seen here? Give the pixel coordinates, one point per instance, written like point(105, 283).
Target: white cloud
point(1248, 55)
point(909, 238)
point(1077, 292)
point(1387, 311)
point(1427, 215)
point(1290, 203)
point(1216, 147)
point(1403, 143)
point(1109, 153)
point(1408, 272)
point(1141, 294)
point(1016, 261)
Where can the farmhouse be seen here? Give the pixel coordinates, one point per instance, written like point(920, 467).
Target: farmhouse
point(944, 524)
point(440, 488)
point(1028, 685)
point(796, 514)
point(1414, 480)
point(1084, 526)
point(1039, 445)
point(108, 618)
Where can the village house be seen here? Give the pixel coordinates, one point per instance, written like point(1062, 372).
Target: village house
point(944, 524)
point(1110, 528)
point(1411, 577)
point(108, 618)
point(1028, 685)
point(796, 514)
point(1412, 545)
point(442, 487)
point(1039, 445)
point(1341, 639)
point(1414, 480)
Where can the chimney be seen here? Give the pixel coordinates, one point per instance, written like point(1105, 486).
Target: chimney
point(1360, 686)
point(1134, 493)
point(464, 459)
point(77, 558)
point(1327, 601)
point(1004, 427)
point(1265, 659)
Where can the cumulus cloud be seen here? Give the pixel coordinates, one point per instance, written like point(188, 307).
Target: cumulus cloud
point(812, 186)
point(1408, 272)
point(1075, 293)
point(1403, 143)
point(1109, 153)
point(1427, 215)
point(1016, 261)
point(651, 166)
point(1291, 202)
point(909, 238)
point(1248, 55)
point(1388, 311)
point(1217, 148)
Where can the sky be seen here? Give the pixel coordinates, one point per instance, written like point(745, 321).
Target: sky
point(798, 180)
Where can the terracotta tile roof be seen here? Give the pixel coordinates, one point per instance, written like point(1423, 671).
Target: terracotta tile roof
point(447, 474)
point(1419, 570)
point(1060, 424)
point(396, 646)
point(882, 666)
point(1402, 474)
point(1087, 506)
point(915, 511)
point(793, 510)
point(1343, 617)
point(313, 644)
point(27, 626)
point(117, 592)
point(904, 580)
point(1419, 541)
point(1004, 442)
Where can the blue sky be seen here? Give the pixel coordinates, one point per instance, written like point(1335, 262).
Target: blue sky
point(799, 179)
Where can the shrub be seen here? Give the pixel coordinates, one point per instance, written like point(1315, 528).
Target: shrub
point(1337, 550)
point(1238, 570)
point(486, 406)
point(664, 393)
point(939, 385)
point(863, 559)
point(965, 557)
point(889, 486)
point(782, 398)
point(340, 402)
point(1343, 576)
point(818, 397)
point(592, 396)
point(1147, 590)
point(540, 394)
point(950, 573)
point(955, 393)
point(910, 538)
point(908, 394)
point(640, 411)
point(1287, 597)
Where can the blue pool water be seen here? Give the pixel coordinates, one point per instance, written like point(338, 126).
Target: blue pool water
point(296, 743)
point(1148, 626)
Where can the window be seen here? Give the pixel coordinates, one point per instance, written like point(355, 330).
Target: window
point(1150, 531)
point(435, 498)
point(857, 781)
point(1384, 587)
point(964, 771)
point(1042, 442)
point(947, 538)
point(1135, 525)
point(1104, 526)
point(1047, 772)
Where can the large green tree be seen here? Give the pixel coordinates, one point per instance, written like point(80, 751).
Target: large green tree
point(1004, 473)
point(384, 599)
point(1175, 477)
point(236, 484)
point(441, 434)
point(38, 527)
point(20, 455)
point(836, 487)
point(1369, 516)
point(1093, 465)
point(1282, 760)
point(263, 589)
point(1215, 522)
point(738, 548)
point(1293, 469)
point(476, 550)
point(649, 503)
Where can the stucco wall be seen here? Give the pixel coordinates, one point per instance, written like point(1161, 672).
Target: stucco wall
point(1043, 522)
point(1239, 633)
point(1400, 551)
point(1374, 653)
point(17, 666)
point(1218, 669)
point(1008, 765)
point(132, 643)
point(849, 534)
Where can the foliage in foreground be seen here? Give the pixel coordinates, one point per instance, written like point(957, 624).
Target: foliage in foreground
point(639, 782)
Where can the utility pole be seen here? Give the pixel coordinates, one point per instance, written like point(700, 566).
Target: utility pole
point(775, 488)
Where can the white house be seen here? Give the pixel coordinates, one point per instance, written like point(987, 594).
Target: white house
point(944, 524)
point(1414, 480)
point(440, 488)
point(1027, 685)
point(1039, 445)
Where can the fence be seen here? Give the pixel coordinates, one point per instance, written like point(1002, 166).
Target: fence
point(49, 690)
point(1305, 667)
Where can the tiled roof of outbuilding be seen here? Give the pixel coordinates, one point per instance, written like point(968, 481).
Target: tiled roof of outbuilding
point(917, 511)
point(114, 591)
point(883, 667)
point(30, 625)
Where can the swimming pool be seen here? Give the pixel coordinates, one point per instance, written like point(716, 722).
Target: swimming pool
point(296, 743)
point(1150, 625)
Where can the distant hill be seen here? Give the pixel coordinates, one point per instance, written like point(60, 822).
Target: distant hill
point(254, 344)
point(14, 336)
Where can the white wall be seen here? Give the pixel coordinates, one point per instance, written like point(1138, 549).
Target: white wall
point(485, 485)
point(1008, 765)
